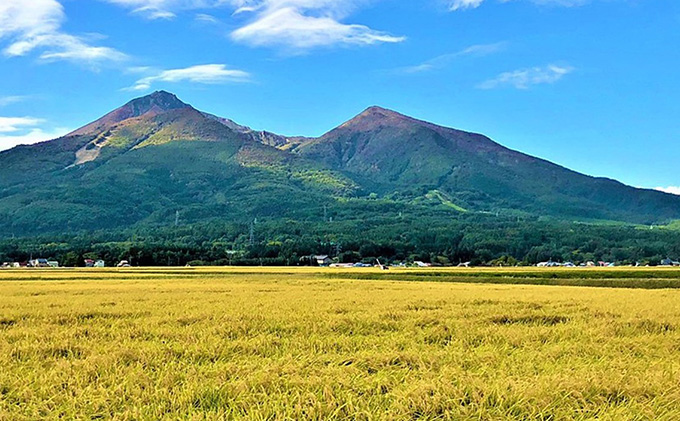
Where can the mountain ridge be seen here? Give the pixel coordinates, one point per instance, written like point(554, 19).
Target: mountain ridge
point(157, 154)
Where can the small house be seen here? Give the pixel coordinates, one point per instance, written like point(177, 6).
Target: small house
point(38, 263)
point(323, 260)
point(99, 264)
point(669, 262)
point(89, 263)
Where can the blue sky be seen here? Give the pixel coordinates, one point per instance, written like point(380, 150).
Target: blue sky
point(589, 84)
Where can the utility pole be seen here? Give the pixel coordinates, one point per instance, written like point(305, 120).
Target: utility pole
point(325, 213)
point(252, 233)
point(177, 218)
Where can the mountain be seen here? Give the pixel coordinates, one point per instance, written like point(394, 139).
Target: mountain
point(157, 158)
point(147, 160)
point(396, 153)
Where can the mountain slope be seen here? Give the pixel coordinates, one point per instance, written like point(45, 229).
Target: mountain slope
point(149, 159)
point(393, 152)
point(157, 156)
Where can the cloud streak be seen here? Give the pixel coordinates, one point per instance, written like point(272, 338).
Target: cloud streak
point(299, 25)
point(670, 189)
point(525, 78)
point(208, 74)
point(36, 25)
point(24, 130)
point(294, 25)
point(14, 124)
point(455, 5)
point(444, 60)
point(160, 9)
point(13, 99)
point(34, 135)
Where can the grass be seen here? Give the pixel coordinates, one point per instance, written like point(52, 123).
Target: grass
point(291, 344)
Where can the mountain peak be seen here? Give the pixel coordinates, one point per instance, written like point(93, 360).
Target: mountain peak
point(376, 116)
point(156, 103)
point(376, 110)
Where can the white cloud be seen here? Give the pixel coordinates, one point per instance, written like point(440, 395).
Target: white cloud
point(35, 135)
point(165, 9)
point(36, 25)
point(443, 60)
point(670, 189)
point(463, 4)
point(205, 74)
point(14, 124)
point(7, 100)
point(525, 78)
point(565, 3)
point(454, 5)
point(295, 25)
point(24, 130)
point(205, 18)
point(304, 24)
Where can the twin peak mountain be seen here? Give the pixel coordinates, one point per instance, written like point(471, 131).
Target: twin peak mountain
point(157, 154)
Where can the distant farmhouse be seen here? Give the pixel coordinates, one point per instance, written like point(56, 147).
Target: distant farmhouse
point(33, 263)
point(38, 263)
point(323, 260)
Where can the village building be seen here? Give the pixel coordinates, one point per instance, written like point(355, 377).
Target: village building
point(38, 263)
point(669, 262)
point(323, 260)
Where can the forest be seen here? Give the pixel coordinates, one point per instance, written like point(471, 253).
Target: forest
point(441, 239)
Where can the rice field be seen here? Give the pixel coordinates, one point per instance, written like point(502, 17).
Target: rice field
point(336, 344)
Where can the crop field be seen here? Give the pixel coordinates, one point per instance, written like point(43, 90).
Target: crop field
point(339, 344)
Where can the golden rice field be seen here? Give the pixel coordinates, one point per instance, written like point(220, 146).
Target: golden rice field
point(299, 344)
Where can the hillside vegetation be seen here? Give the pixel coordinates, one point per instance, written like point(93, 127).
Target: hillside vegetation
point(142, 163)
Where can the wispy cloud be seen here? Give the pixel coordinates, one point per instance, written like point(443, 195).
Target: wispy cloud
point(525, 78)
point(299, 25)
point(206, 18)
point(14, 124)
point(25, 130)
point(34, 135)
point(154, 9)
point(205, 74)
point(445, 59)
point(463, 4)
point(294, 25)
point(12, 99)
point(670, 189)
point(36, 25)
point(454, 5)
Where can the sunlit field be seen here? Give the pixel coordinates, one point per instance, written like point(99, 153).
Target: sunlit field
point(294, 344)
